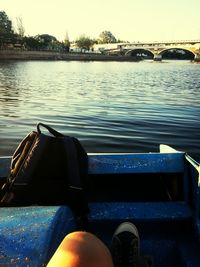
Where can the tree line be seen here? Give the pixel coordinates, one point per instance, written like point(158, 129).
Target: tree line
point(9, 37)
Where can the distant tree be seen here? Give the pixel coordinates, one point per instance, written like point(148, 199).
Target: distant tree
point(31, 43)
point(122, 41)
point(7, 35)
point(84, 42)
point(43, 42)
point(20, 26)
point(66, 43)
point(47, 41)
point(5, 24)
point(106, 37)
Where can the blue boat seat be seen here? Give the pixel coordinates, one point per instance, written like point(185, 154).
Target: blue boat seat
point(30, 235)
point(148, 211)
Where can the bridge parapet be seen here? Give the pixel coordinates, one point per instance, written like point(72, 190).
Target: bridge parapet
point(161, 47)
point(168, 43)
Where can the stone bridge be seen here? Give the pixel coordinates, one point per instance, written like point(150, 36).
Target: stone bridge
point(157, 49)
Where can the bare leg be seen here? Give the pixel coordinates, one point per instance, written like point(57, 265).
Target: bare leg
point(81, 249)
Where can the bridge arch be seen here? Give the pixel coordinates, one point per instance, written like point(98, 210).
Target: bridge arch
point(136, 51)
point(161, 53)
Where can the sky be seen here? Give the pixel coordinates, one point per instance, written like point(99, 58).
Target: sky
point(128, 20)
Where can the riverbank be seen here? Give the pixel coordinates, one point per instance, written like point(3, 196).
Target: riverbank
point(46, 55)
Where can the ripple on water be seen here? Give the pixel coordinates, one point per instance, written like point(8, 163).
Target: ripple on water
point(110, 106)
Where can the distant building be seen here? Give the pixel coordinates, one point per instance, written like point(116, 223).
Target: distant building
point(96, 48)
point(102, 47)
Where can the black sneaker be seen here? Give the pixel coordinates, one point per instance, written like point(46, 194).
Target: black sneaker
point(125, 246)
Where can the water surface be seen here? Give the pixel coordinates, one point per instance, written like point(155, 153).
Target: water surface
point(110, 106)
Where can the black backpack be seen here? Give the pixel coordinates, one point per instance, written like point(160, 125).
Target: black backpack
point(48, 170)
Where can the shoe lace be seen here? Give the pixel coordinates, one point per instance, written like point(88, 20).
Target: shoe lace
point(133, 258)
point(117, 257)
point(116, 254)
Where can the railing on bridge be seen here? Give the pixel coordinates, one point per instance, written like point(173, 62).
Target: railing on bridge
point(155, 43)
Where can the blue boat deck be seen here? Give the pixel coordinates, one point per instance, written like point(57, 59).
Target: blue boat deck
point(168, 218)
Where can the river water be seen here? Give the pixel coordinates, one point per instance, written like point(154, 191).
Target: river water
point(109, 106)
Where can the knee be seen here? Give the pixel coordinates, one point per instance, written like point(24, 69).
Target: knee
point(81, 249)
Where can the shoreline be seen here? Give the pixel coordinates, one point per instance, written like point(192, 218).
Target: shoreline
point(50, 55)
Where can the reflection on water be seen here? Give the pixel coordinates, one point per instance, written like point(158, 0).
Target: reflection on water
point(110, 106)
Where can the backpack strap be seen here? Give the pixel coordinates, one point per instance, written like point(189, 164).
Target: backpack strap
point(51, 130)
point(76, 192)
